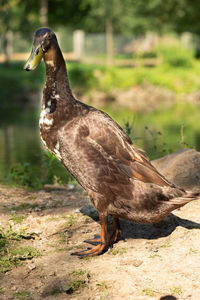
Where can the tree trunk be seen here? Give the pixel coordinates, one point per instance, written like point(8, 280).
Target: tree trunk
point(8, 45)
point(197, 50)
point(44, 13)
point(109, 41)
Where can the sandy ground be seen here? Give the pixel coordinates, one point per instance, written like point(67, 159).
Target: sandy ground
point(150, 262)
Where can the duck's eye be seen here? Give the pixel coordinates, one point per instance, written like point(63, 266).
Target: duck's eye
point(37, 51)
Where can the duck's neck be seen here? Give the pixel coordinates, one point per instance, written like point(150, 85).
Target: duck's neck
point(57, 85)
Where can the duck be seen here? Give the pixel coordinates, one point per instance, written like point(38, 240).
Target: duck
point(118, 177)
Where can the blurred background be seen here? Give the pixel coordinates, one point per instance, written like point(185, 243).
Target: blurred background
point(138, 60)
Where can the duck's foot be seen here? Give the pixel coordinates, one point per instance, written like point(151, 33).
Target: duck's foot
point(99, 249)
point(94, 241)
point(117, 232)
point(104, 242)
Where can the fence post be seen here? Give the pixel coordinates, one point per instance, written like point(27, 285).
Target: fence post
point(78, 43)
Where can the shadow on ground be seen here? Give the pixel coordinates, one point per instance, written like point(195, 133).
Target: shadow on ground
point(145, 231)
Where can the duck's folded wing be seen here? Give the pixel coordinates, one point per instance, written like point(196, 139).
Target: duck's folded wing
point(102, 156)
point(128, 158)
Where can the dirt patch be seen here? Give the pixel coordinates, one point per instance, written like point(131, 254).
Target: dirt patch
point(150, 262)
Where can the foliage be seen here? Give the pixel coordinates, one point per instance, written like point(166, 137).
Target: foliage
point(17, 86)
point(168, 129)
point(126, 15)
point(53, 170)
point(166, 75)
point(67, 13)
point(176, 57)
point(82, 75)
point(120, 12)
point(22, 174)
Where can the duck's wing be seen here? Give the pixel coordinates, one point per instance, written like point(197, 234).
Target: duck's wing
point(133, 162)
point(99, 155)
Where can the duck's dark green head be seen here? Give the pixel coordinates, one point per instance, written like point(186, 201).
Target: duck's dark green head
point(44, 38)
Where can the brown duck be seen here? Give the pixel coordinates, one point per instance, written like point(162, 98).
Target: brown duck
point(118, 177)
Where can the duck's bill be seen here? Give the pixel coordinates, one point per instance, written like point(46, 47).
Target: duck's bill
point(34, 59)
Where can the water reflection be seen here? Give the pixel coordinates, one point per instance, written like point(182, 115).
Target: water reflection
point(19, 140)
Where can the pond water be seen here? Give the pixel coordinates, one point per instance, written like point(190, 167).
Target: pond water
point(23, 159)
point(19, 139)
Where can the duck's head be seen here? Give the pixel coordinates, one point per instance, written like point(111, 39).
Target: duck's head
point(44, 39)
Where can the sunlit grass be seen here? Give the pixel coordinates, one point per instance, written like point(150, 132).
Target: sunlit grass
point(180, 80)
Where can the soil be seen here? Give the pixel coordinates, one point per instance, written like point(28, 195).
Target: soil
point(149, 262)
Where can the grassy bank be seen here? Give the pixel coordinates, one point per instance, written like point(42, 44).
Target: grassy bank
point(179, 72)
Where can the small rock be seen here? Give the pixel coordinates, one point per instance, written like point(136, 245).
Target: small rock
point(37, 209)
point(134, 262)
point(71, 186)
point(137, 262)
point(31, 267)
point(52, 273)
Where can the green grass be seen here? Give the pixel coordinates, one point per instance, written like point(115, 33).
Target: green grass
point(176, 290)
point(119, 251)
point(22, 206)
point(75, 285)
point(11, 252)
point(22, 295)
point(70, 219)
point(179, 73)
point(18, 219)
point(148, 292)
point(78, 281)
point(77, 273)
point(180, 80)
point(104, 287)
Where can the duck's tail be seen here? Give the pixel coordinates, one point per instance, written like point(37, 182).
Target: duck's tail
point(180, 201)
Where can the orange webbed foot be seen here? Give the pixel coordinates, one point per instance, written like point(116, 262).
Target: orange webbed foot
point(99, 249)
point(94, 241)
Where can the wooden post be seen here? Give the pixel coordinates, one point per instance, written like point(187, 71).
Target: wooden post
point(44, 12)
point(8, 45)
point(78, 43)
point(109, 41)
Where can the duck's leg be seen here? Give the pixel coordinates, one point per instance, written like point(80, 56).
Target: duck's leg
point(104, 241)
point(113, 237)
point(116, 230)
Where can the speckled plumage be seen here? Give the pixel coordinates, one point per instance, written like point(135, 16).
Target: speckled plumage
point(118, 177)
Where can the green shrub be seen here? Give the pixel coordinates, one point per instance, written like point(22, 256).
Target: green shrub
point(81, 75)
point(22, 174)
point(146, 54)
point(176, 56)
point(53, 170)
